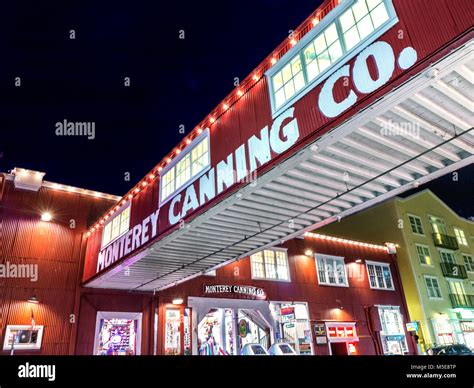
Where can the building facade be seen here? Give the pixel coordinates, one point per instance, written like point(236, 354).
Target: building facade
point(318, 131)
point(43, 308)
point(435, 259)
point(323, 295)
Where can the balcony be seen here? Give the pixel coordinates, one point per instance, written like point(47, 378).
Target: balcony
point(445, 241)
point(454, 270)
point(462, 300)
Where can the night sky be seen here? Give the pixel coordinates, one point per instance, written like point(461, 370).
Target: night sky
point(173, 82)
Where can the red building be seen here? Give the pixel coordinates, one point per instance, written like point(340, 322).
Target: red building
point(366, 99)
point(312, 292)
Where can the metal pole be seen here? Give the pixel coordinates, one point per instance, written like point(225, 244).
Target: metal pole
point(235, 331)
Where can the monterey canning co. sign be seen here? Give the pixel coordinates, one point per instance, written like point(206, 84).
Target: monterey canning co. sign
point(277, 137)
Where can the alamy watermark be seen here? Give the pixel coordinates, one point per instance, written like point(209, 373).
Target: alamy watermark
point(403, 129)
point(11, 270)
point(75, 128)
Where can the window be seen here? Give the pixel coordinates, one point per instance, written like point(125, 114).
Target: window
point(432, 285)
point(117, 226)
point(415, 223)
point(332, 40)
point(191, 163)
point(380, 276)
point(363, 18)
point(438, 225)
point(460, 236)
point(447, 257)
point(322, 52)
point(270, 264)
point(456, 287)
point(288, 81)
point(393, 332)
point(331, 270)
point(423, 254)
point(468, 262)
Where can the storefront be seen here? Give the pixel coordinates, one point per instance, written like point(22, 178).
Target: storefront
point(223, 326)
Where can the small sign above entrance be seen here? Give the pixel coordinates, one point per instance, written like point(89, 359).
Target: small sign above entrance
point(248, 292)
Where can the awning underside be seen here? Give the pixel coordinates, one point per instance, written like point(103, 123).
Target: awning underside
point(416, 133)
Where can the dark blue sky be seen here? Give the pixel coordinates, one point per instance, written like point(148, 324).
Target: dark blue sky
point(173, 81)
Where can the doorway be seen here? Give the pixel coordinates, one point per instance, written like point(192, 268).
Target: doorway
point(339, 349)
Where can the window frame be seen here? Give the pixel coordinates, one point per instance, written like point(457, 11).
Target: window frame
point(464, 255)
point(464, 236)
point(432, 218)
point(304, 42)
point(429, 252)
point(205, 134)
point(421, 222)
point(118, 213)
point(439, 287)
point(285, 251)
point(380, 264)
point(444, 250)
point(332, 257)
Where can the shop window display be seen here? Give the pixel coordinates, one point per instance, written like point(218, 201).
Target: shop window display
point(117, 337)
point(393, 332)
point(173, 332)
point(295, 327)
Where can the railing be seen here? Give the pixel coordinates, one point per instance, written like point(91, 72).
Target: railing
point(461, 300)
point(454, 270)
point(445, 241)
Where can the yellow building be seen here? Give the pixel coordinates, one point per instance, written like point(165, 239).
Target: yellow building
point(435, 257)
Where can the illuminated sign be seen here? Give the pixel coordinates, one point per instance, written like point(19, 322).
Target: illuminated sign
point(136, 237)
point(237, 166)
point(341, 332)
point(412, 326)
point(227, 289)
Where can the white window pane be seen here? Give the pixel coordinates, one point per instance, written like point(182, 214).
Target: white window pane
point(324, 62)
point(347, 20)
point(312, 70)
point(106, 233)
point(289, 90)
point(286, 72)
point(335, 51)
point(320, 44)
point(373, 3)
point(365, 27)
point(299, 81)
point(379, 15)
point(277, 81)
point(360, 9)
point(309, 54)
point(279, 98)
point(351, 38)
point(331, 34)
point(296, 65)
point(125, 220)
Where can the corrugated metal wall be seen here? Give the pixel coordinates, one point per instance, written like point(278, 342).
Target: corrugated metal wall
point(55, 248)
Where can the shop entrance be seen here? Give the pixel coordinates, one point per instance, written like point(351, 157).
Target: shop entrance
point(224, 326)
point(216, 331)
point(339, 349)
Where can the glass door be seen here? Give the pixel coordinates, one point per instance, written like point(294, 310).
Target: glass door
point(173, 331)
